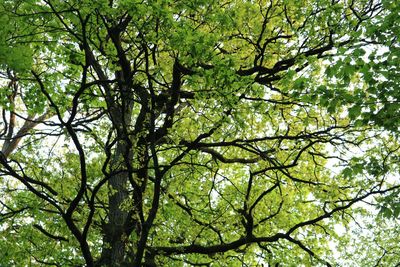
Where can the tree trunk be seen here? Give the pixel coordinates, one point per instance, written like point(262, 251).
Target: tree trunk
point(115, 231)
point(114, 250)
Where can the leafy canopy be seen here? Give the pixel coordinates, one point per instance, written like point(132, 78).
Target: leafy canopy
point(199, 133)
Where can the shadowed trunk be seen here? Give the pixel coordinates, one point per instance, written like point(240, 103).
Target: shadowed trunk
point(115, 231)
point(114, 250)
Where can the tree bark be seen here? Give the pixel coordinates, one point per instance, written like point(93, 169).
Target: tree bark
point(115, 236)
point(115, 232)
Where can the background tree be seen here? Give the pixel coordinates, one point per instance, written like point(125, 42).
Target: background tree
point(196, 133)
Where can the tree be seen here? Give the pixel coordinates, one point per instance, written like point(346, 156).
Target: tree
point(195, 133)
